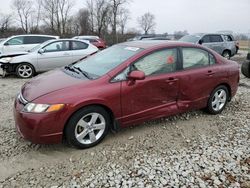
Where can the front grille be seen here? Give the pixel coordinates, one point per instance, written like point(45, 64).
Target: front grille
point(21, 99)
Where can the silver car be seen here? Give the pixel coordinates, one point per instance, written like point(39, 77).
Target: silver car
point(223, 44)
point(47, 56)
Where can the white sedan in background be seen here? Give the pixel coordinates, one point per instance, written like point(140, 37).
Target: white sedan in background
point(49, 55)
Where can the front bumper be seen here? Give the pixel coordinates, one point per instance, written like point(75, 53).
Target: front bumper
point(2, 70)
point(42, 128)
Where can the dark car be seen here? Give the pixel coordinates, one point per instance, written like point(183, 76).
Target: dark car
point(123, 85)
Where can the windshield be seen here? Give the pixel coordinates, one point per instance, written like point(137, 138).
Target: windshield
point(36, 47)
point(190, 38)
point(106, 60)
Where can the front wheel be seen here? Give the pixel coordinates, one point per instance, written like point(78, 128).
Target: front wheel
point(25, 70)
point(87, 127)
point(226, 54)
point(218, 100)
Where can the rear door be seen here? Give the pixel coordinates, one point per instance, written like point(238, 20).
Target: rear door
point(56, 54)
point(199, 77)
point(156, 96)
point(214, 42)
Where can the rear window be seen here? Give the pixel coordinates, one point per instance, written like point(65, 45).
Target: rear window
point(79, 45)
point(195, 58)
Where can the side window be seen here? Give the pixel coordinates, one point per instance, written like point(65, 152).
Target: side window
point(15, 41)
point(194, 58)
point(44, 39)
point(216, 38)
point(57, 46)
point(159, 62)
point(206, 39)
point(79, 45)
point(228, 38)
point(31, 40)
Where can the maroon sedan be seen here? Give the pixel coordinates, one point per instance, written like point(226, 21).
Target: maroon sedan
point(126, 84)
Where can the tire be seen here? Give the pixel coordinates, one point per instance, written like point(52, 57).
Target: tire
point(226, 54)
point(245, 69)
point(87, 127)
point(25, 70)
point(218, 100)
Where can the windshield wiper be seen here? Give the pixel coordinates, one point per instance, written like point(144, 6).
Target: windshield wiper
point(86, 74)
point(68, 67)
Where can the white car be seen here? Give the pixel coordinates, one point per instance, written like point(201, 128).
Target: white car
point(49, 55)
point(21, 43)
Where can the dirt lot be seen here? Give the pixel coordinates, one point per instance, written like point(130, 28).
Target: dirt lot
point(193, 149)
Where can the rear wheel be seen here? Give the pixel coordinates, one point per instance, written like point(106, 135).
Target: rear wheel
point(226, 54)
point(87, 127)
point(245, 69)
point(218, 100)
point(25, 70)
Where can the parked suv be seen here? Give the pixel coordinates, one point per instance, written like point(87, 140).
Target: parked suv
point(221, 43)
point(21, 43)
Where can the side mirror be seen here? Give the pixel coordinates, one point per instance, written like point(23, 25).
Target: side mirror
point(200, 42)
point(136, 75)
point(41, 51)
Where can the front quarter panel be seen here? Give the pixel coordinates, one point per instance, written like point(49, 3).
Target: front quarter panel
point(30, 58)
point(97, 93)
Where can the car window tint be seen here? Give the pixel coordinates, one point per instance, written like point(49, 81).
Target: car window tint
point(79, 45)
point(216, 38)
point(31, 40)
point(57, 46)
point(194, 57)
point(159, 62)
point(206, 39)
point(16, 41)
point(44, 39)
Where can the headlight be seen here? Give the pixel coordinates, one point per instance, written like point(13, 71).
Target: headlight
point(40, 108)
point(6, 59)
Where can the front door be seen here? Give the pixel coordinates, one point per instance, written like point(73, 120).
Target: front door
point(156, 95)
point(56, 54)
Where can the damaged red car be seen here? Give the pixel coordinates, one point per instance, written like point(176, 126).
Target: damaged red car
point(123, 85)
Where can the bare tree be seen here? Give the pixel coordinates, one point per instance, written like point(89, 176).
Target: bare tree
point(115, 6)
point(57, 14)
point(123, 19)
point(5, 21)
point(147, 22)
point(24, 10)
point(82, 24)
point(98, 11)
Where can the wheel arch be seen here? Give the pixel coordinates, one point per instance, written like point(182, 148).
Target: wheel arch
point(228, 50)
point(228, 88)
point(114, 126)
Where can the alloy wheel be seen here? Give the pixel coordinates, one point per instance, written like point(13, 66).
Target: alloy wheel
point(90, 128)
point(219, 100)
point(25, 71)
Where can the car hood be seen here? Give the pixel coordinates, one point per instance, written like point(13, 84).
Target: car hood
point(49, 82)
point(13, 54)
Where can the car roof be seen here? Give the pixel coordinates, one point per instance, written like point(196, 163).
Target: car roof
point(147, 44)
point(34, 35)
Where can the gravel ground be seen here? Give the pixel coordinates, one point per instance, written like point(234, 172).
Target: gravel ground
point(190, 150)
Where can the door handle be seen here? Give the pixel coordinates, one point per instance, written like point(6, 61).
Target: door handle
point(171, 80)
point(66, 54)
point(210, 73)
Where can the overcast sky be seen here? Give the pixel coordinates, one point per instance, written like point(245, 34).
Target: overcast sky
point(191, 15)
